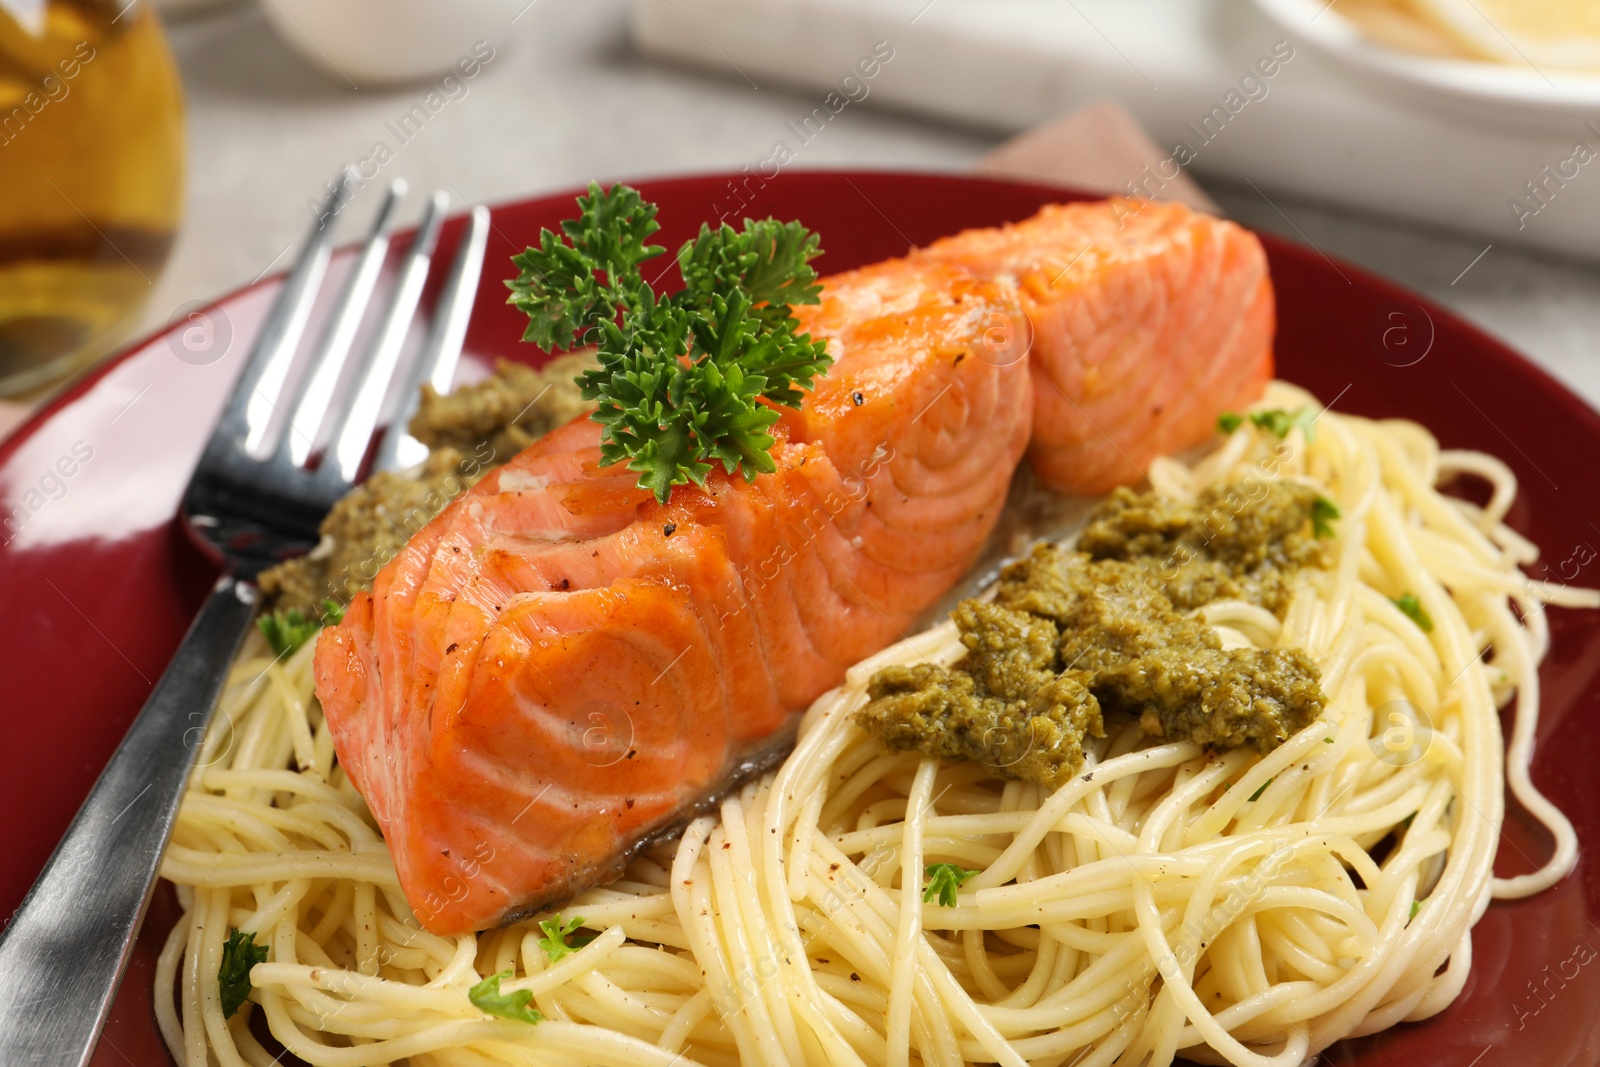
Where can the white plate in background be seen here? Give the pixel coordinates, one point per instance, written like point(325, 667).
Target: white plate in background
point(390, 42)
point(1326, 129)
point(1477, 89)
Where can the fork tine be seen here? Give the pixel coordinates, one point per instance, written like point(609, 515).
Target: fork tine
point(248, 413)
point(315, 392)
point(352, 430)
point(436, 363)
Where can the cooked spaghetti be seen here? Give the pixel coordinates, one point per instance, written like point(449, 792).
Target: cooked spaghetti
point(1225, 906)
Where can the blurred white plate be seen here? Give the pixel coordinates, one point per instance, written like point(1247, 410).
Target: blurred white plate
point(1328, 130)
point(1479, 90)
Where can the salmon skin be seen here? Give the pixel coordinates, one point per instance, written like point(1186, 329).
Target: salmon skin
point(558, 669)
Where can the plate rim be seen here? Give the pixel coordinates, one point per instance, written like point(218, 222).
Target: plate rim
point(1502, 356)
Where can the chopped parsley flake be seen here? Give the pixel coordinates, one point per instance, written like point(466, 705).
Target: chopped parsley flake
point(487, 998)
point(1279, 422)
point(287, 630)
point(1323, 512)
point(943, 881)
point(1412, 607)
point(239, 955)
point(558, 939)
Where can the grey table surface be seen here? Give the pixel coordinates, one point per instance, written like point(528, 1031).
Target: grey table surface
point(569, 100)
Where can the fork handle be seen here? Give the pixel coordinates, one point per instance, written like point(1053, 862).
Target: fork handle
point(62, 956)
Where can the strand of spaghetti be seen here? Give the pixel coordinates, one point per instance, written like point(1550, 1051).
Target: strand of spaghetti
point(1492, 470)
point(1356, 995)
point(823, 737)
point(273, 780)
point(1176, 985)
point(924, 961)
point(1068, 796)
point(1177, 990)
point(221, 870)
point(1443, 992)
point(212, 935)
point(1519, 760)
point(1460, 657)
point(771, 943)
point(692, 900)
point(294, 710)
point(195, 1033)
point(910, 930)
point(167, 1007)
point(986, 1037)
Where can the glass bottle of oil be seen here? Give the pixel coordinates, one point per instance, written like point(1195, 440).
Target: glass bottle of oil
point(91, 180)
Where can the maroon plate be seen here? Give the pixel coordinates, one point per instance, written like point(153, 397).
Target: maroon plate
point(97, 583)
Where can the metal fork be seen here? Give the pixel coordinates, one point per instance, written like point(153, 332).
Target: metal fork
point(62, 956)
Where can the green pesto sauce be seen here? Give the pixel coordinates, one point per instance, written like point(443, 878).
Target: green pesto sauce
point(468, 432)
point(1072, 636)
point(1241, 541)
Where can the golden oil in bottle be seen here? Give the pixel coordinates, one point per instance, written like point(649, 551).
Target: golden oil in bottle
point(91, 180)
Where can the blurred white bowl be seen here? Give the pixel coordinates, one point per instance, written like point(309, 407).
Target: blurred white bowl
point(378, 42)
point(1517, 96)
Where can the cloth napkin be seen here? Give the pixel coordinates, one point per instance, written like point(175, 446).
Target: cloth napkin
point(1100, 148)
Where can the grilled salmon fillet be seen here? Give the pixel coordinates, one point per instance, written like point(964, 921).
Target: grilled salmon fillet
point(1149, 319)
point(558, 668)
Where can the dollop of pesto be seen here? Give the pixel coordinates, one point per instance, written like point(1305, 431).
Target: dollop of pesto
point(469, 432)
point(1243, 540)
point(1072, 636)
point(1008, 703)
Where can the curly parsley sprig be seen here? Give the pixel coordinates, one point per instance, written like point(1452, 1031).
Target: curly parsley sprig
point(687, 380)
